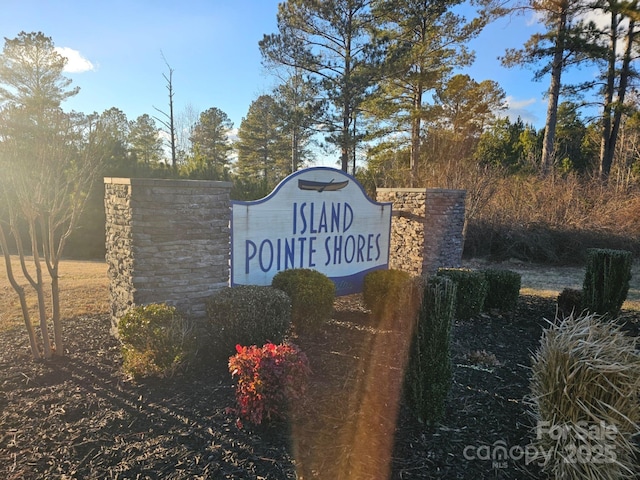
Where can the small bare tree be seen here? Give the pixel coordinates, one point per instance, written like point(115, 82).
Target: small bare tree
point(43, 191)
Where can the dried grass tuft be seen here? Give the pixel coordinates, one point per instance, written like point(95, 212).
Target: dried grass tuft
point(585, 395)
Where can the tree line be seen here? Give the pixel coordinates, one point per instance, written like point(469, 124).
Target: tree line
point(378, 82)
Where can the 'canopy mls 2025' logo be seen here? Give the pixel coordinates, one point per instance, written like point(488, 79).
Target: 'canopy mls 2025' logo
point(317, 218)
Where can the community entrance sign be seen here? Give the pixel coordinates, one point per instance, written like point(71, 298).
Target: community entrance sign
point(318, 218)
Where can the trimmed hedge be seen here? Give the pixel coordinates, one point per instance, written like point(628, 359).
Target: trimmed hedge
point(387, 292)
point(429, 370)
point(471, 290)
point(569, 302)
point(606, 281)
point(247, 315)
point(312, 295)
point(503, 289)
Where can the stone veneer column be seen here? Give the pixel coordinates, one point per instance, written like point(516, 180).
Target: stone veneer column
point(426, 228)
point(167, 242)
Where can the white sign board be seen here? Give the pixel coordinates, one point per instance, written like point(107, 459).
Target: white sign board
point(318, 218)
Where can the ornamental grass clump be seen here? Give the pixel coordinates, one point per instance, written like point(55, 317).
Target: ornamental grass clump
point(312, 294)
point(503, 289)
point(246, 315)
point(585, 390)
point(268, 379)
point(387, 292)
point(156, 341)
point(429, 369)
point(471, 290)
point(606, 281)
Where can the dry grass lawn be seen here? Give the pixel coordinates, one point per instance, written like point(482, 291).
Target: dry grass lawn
point(84, 289)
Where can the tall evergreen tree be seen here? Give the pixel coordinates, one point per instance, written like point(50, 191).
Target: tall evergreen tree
point(116, 141)
point(210, 140)
point(425, 42)
point(467, 107)
point(463, 109)
point(570, 136)
point(623, 16)
point(299, 108)
point(144, 141)
point(31, 73)
point(568, 40)
point(507, 144)
point(329, 41)
point(263, 150)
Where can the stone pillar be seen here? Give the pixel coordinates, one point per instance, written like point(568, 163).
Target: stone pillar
point(426, 228)
point(444, 224)
point(167, 242)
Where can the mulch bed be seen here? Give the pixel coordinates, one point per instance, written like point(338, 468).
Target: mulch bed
point(80, 417)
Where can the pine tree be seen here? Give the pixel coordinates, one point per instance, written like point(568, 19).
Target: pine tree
point(568, 40)
point(210, 140)
point(616, 75)
point(145, 143)
point(299, 108)
point(31, 73)
point(329, 41)
point(263, 150)
point(424, 41)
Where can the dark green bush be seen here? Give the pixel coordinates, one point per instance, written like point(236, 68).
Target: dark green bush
point(247, 315)
point(606, 280)
point(429, 369)
point(156, 341)
point(471, 290)
point(503, 289)
point(387, 292)
point(569, 302)
point(312, 295)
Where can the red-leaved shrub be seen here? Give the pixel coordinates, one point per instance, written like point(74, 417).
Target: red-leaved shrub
point(268, 378)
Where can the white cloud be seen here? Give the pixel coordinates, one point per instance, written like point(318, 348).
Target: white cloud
point(520, 108)
point(534, 19)
point(600, 18)
point(76, 63)
point(232, 135)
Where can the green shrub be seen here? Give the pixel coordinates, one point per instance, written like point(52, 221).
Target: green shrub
point(471, 290)
point(247, 315)
point(156, 341)
point(584, 387)
point(429, 369)
point(569, 302)
point(387, 292)
point(503, 289)
point(312, 295)
point(606, 280)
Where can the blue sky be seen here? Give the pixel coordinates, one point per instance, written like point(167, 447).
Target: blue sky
point(212, 46)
